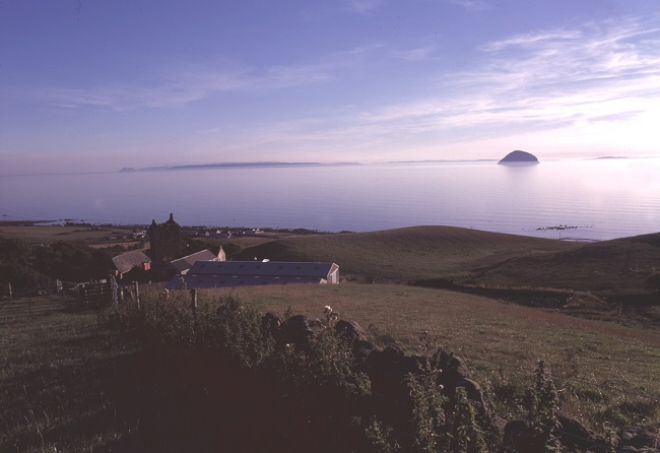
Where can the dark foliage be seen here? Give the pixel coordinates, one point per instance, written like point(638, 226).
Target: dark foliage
point(73, 261)
point(15, 268)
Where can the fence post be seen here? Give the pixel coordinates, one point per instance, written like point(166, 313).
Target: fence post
point(114, 293)
point(137, 294)
point(193, 307)
point(193, 301)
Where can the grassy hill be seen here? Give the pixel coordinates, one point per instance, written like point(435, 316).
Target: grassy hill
point(36, 234)
point(617, 266)
point(407, 253)
point(608, 373)
point(476, 257)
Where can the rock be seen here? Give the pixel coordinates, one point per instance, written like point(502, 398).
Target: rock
point(519, 157)
point(637, 438)
point(452, 370)
point(524, 437)
point(474, 393)
point(363, 349)
point(296, 331)
point(271, 323)
point(350, 331)
point(388, 369)
point(575, 435)
point(519, 436)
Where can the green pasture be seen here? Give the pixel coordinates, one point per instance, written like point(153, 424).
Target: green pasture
point(61, 367)
point(33, 234)
point(598, 366)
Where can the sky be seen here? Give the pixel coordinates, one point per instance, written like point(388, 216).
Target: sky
point(94, 86)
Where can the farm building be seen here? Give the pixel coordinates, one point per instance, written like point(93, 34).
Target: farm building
point(213, 274)
point(182, 265)
point(131, 261)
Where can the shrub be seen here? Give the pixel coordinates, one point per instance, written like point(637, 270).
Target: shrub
point(540, 402)
point(428, 418)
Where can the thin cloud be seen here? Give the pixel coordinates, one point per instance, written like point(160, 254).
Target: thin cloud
point(567, 60)
point(195, 82)
point(418, 54)
point(364, 6)
point(531, 39)
point(592, 77)
point(472, 5)
point(539, 81)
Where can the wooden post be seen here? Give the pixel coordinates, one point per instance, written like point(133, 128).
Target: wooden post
point(137, 294)
point(193, 307)
point(193, 301)
point(10, 293)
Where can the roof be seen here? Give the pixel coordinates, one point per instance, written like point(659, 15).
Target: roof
point(127, 261)
point(263, 268)
point(218, 274)
point(184, 263)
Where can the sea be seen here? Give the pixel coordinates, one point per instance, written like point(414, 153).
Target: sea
point(582, 200)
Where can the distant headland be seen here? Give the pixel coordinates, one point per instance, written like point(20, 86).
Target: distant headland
point(235, 165)
point(519, 157)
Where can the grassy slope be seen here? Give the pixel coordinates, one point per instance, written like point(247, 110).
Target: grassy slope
point(57, 377)
point(620, 265)
point(50, 234)
point(66, 382)
point(407, 253)
point(500, 342)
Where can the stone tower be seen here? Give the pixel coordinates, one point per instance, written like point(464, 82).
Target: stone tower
point(165, 241)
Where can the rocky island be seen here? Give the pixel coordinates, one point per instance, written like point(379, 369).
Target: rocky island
point(519, 157)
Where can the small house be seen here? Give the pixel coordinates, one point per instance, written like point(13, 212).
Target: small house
point(135, 261)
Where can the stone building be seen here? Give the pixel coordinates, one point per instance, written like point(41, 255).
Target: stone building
point(165, 239)
point(134, 262)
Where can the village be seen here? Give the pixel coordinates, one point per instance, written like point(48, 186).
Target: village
point(165, 265)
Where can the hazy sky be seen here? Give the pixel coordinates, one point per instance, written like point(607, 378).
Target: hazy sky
point(99, 85)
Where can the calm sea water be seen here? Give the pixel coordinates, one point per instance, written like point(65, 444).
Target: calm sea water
point(604, 199)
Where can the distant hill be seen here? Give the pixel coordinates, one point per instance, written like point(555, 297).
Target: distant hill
point(617, 266)
point(519, 157)
point(239, 165)
point(476, 257)
point(407, 254)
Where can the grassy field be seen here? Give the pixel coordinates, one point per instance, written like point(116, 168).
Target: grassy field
point(606, 373)
point(67, 379)
point(33, 234)
point(57, 377)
